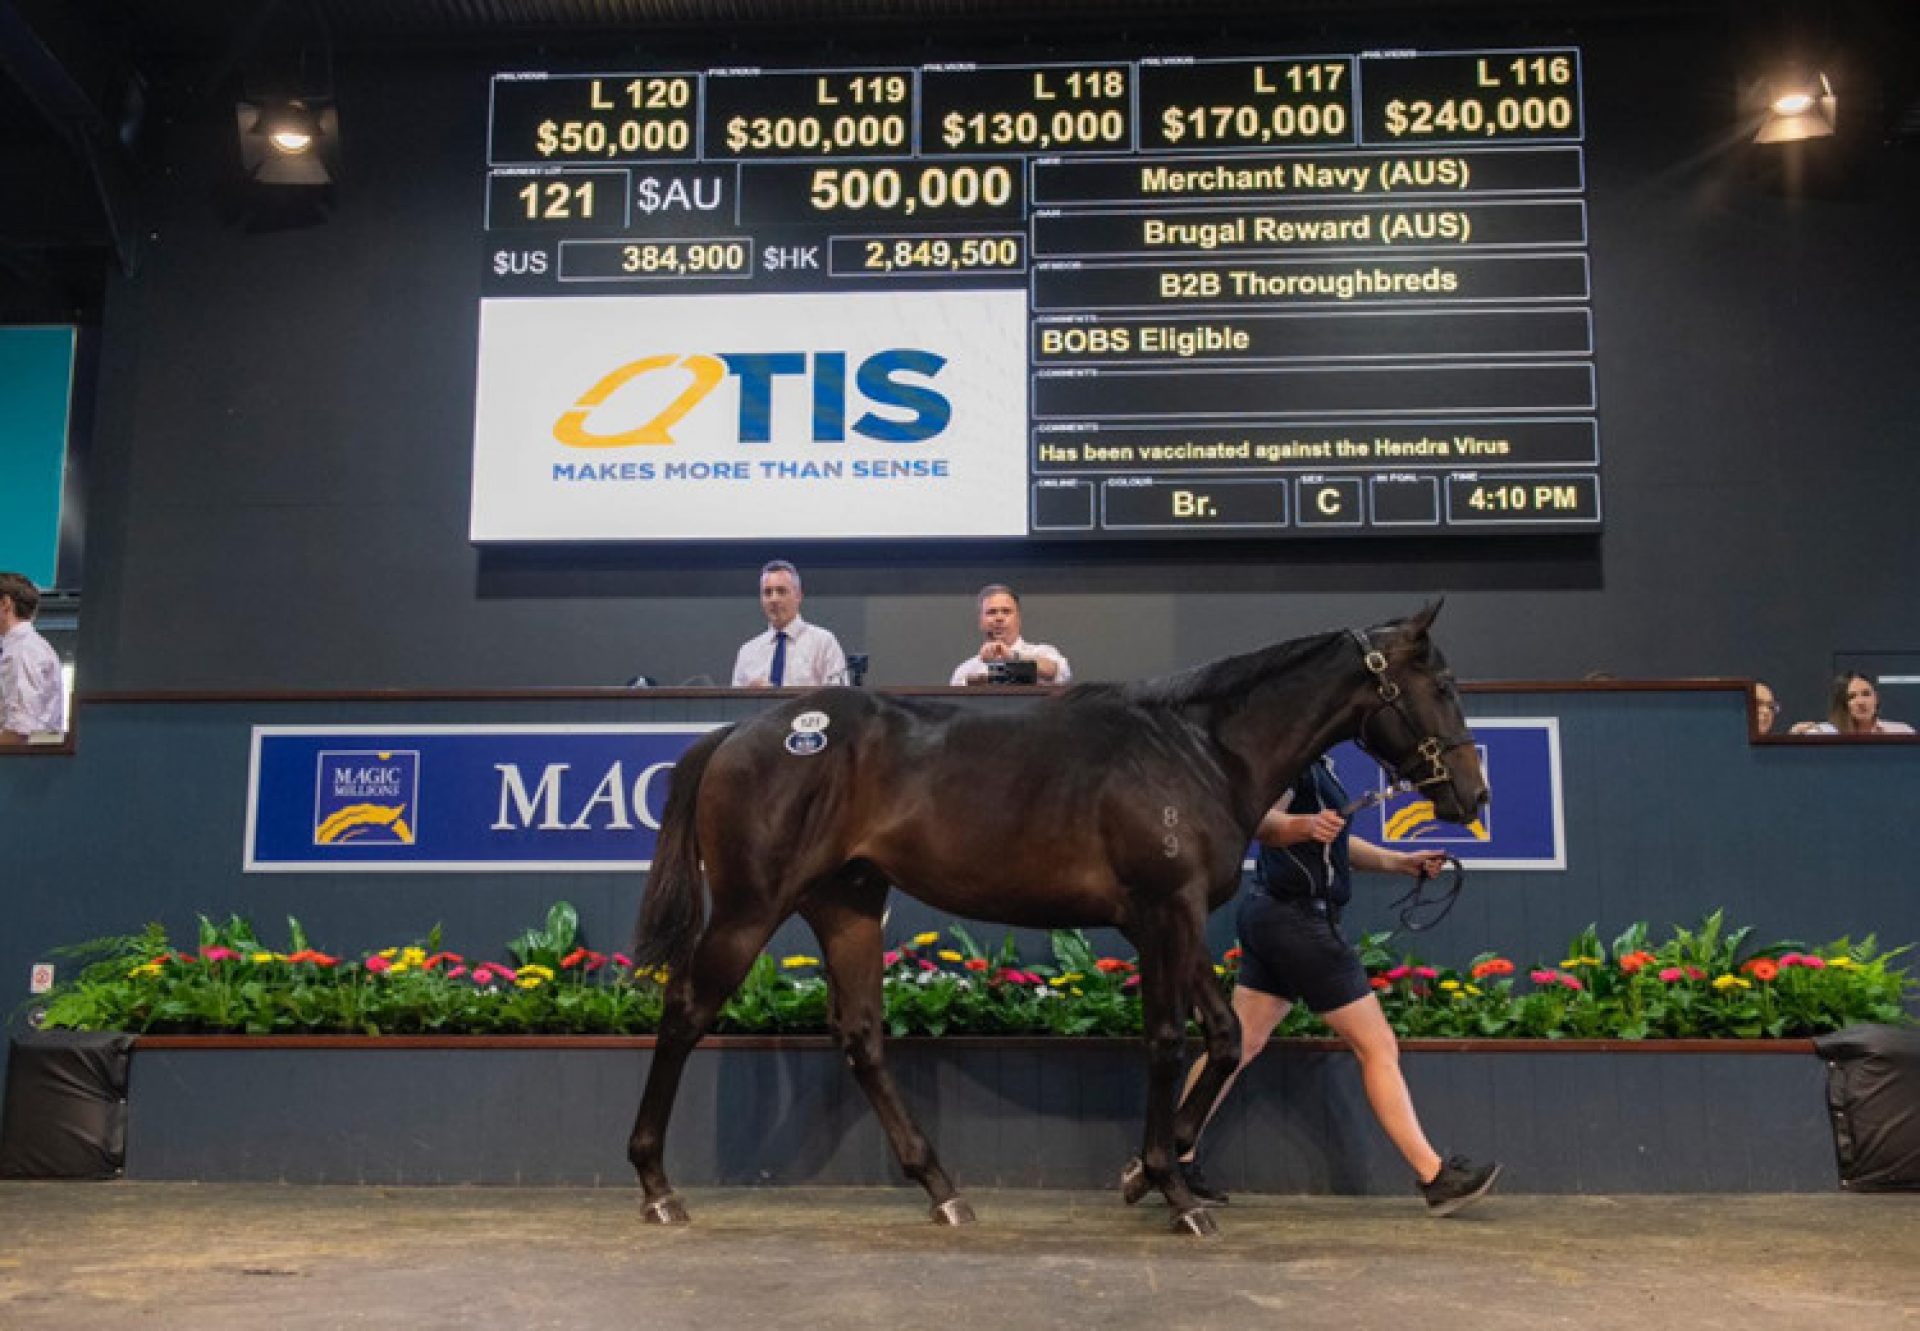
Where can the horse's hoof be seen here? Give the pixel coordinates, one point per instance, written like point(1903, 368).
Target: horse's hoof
point(1133, 1181)
point(667, 1210)
point(1198, 1222)
point(953, 1211)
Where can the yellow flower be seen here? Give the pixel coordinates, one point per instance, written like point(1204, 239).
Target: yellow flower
point(414, 956)
point(1726, 982)
point(1572, 963)
point(527, 981)
point(1449, 984)
point(1474, 990)
point(660, 976)
point(1218, 969)
point(390, 953)
point(796, 963)
point(1071, 977)
point(260, 958)
point(948, 954)
point(1075, 991)
point(399, 968)
point(146, 968)
point(538, 972)
point(1844, 963)
point(925, 940)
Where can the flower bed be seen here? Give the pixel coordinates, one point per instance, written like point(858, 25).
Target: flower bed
point(1703, 983)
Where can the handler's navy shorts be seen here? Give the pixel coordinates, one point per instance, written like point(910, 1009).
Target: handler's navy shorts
point(1291, 949)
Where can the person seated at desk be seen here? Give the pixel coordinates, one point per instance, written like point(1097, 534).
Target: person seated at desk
point(791, 653)
point(1766, 708)
point(1000, 627)
point(1853, 708)
point(32, 697)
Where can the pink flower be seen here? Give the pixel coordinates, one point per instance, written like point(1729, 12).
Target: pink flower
point(1399, 973)
point(378, 965)
point(456, 972)
point(622, 959)
point(1790, 959)
point(926, 965)
point(219, 954)
point(1543, 977)
point(1813, 963)
point(1672, 973)
point(1571, 983)
point(483, 974)
point(1130, 982)
point(1695, 973)
point(891, 958)
point(1426, 972)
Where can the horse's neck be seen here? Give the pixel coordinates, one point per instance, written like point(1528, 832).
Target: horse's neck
point(1290, 718)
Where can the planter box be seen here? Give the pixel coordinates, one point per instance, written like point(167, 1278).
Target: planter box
point(1565, 1117)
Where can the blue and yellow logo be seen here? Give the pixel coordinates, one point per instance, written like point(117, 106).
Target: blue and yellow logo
point(896, 381)
point(367, 798)
point(1411, 818)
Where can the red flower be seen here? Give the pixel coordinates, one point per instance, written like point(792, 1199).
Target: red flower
point(622, 959)
point(572, 959)
point(1635, 962)
point(1761, 969)
point(1493, 966)
point(1233, 954)
point(1380, 982)
point(435, 961)
point(976, 964)
point(1112, 965)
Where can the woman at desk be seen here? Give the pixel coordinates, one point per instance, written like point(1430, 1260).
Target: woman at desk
point(1853, 708)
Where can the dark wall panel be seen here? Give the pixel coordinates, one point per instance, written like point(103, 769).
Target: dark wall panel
point(285, 419)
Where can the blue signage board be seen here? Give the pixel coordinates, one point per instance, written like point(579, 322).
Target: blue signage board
point(453, 798)
point(490, 798)
point(1523, 825)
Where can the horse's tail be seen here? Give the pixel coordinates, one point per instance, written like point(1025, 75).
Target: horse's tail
point(674, 906)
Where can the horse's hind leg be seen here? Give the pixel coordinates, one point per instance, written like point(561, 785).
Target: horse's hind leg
point(694, 998)
point(846, 918)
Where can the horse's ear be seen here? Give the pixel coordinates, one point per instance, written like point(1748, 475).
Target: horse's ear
point(1418, 624)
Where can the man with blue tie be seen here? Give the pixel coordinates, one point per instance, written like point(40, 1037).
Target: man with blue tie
point(791, 653)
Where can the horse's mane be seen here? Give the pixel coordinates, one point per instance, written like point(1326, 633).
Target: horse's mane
point(1229, 677)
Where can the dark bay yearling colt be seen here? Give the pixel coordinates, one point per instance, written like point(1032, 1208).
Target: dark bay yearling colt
point(1130, 806)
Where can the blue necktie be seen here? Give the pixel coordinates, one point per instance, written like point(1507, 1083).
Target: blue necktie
point(778, 675)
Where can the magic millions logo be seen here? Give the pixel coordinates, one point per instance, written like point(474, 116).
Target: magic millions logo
point(367, 798)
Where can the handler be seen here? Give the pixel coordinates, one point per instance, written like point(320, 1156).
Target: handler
point(1292, 952)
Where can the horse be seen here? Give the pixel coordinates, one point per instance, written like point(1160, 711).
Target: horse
point(1128, 806)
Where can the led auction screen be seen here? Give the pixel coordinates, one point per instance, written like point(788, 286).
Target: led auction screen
point(1288, 296)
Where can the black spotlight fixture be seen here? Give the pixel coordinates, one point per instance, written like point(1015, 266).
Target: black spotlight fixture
point(289, 140)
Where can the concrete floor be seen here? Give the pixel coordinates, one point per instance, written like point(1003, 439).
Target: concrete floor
point(216, 1256)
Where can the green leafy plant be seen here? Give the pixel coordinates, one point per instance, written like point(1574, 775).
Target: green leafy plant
point(1701, 982)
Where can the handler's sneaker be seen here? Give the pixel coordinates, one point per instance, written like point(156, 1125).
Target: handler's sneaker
point(1459, 1183)
point(1197, 1184)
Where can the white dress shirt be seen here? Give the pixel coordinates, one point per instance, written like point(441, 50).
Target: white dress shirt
point(813, 658)
point(32, 696)
point(974, 668)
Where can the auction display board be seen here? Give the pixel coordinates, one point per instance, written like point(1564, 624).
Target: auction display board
point(1259, 296)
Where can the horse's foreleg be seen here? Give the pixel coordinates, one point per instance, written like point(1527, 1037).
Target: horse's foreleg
point(1221, 1027)
point(1169, 940)
point(694, 997)
point(847, 922)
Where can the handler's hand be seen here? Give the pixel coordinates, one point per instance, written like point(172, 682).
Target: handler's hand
point(1421, 863)
point(1324, 826)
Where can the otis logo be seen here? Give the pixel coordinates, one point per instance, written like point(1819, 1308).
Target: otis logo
point(895, 382)
point(367, 798)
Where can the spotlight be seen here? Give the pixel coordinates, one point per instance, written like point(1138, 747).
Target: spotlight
point(289, 141)
point(1798, 106)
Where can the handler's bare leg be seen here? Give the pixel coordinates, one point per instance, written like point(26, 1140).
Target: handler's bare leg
point(1364, 1027)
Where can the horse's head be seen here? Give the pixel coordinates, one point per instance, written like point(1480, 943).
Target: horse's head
point(1410, 717)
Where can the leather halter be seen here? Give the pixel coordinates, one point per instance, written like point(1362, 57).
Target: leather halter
point(1432, 748)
